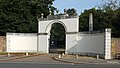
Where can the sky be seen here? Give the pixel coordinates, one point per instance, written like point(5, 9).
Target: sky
point(79, 5)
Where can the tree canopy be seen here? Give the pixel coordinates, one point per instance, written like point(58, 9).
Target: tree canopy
point(22, 15)
point(72, 12)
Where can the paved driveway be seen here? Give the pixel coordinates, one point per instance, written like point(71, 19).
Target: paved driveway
point(39, 58)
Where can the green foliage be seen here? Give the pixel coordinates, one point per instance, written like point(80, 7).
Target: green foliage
point(104, 17)
point(22, 15)
point(72, 12)
point(57, 31)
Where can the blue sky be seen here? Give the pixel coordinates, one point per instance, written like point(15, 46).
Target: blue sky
point(79, 5)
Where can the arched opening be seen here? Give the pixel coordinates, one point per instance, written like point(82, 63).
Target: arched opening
point(57, 38)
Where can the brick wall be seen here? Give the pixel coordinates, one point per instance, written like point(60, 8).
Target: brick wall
point(2, 44)
point(115, 46)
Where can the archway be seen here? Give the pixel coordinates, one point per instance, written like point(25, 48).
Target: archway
point(70, 27)
point(57, 38)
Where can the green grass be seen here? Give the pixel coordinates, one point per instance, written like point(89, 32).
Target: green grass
point(3, 53)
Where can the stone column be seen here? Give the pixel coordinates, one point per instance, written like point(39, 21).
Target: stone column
point(43, 43)
point(90, 22)
point(108, 43)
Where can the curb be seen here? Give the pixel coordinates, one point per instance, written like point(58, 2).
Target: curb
point(20, 57)
point(75, 62)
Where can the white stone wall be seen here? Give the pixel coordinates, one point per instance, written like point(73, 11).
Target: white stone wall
point(21, 42)
point(97, 43)
point(71, 43)
point(91, 43)
point(86, 43)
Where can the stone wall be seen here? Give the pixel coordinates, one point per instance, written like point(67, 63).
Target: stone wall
point(21, 42)
point(2, 43)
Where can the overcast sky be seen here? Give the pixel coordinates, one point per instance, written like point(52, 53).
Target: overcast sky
point(79, 5)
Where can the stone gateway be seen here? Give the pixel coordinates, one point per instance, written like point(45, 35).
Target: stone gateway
point(90, 43)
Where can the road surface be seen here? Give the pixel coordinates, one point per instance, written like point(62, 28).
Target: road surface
point(54, 65)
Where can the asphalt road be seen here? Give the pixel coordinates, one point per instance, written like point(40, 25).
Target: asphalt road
point(54, 65)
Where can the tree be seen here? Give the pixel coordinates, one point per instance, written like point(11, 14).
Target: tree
point(108, 5)
point(22, 15)
point(107, 16)
point(112, 9)
point(72, 12)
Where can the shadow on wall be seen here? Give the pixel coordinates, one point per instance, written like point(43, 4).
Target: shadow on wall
point(88, 44)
